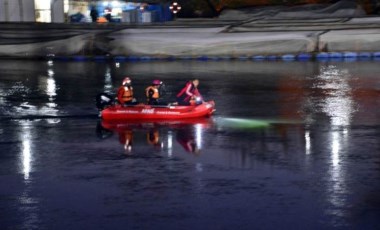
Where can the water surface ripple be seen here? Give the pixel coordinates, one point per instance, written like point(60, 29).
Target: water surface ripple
point(292, 144)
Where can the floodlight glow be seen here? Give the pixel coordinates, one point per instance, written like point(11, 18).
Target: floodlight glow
point(115, 3)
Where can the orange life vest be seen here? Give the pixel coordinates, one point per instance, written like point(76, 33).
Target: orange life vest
point(156, 93)
point(125, 94)
point(101, 20)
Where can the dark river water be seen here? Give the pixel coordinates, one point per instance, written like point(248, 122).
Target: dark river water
point(291, 145)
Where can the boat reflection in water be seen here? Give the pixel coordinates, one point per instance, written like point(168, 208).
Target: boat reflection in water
point(157, 133)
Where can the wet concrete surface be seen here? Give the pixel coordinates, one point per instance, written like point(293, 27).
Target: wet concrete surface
point(292, 145)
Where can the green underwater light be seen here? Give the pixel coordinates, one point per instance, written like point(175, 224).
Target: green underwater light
point(241, 123)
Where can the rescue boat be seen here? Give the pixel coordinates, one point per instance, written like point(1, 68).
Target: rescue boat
point(148, 112)
point(112, 111)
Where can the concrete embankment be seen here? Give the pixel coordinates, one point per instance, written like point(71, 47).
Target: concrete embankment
point(209, 38)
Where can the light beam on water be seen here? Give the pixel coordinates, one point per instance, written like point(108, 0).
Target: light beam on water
point(249, 123)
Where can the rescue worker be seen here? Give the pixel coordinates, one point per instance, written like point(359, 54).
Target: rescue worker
point(152, 93)
point(125, 93)
point(189, 93)
point(94, 14)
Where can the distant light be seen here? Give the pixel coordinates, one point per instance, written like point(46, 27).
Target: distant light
point(175, 7)
point(115, 3)
point(66, 6)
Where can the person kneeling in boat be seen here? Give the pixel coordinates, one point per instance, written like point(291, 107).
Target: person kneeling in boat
point(189, 95)
point(125, 93)
point(153, 93)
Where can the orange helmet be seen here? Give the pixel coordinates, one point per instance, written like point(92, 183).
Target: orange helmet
point(126, 80)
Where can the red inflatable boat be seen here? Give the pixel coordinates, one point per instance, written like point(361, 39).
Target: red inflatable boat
point(143, 112)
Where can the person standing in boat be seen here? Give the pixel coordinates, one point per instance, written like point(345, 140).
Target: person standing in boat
point(152, 93)
point(189, 94)
point(125, 93)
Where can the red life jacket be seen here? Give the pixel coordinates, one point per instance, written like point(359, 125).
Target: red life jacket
point(184, 96)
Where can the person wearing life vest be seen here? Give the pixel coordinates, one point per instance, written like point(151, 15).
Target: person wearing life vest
point(152, 93)
point(189, 93)
point(125, 93)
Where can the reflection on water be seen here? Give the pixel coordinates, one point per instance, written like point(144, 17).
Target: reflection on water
point(108, 88)
point(28, 205)
point(337, 190)
point(284, 136)
point(51, 91)
point(170, 143)
point(26, 158)
point(335, 101)
point(307, 142)
point(198, 137)
point(159, 134)
point(26, 154)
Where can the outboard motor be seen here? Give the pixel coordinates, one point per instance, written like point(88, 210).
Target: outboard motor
point(103, 100)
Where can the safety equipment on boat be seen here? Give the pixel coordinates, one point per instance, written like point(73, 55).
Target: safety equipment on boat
point(198, 100)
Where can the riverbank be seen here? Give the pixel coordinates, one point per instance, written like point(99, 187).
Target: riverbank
point(257, 35)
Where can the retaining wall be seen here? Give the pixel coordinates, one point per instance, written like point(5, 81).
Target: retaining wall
point(284, 40)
